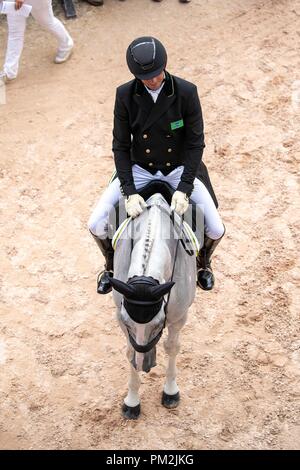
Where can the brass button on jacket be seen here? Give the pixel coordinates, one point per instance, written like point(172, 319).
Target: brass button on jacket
point(169, 150)
point(150, 164)
point(145, 136)
point(168, 164)
point(148, 150)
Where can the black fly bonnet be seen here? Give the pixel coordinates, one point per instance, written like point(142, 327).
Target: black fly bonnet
point(143, 299)
point(143, 306)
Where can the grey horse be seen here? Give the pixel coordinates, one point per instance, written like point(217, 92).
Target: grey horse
point(146, 277)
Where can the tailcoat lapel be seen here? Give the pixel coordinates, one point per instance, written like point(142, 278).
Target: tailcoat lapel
point(153, 111)
point(143, 99)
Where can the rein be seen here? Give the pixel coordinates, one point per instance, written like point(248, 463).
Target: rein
point(179, 239)
point(175, 258)
point(172, 217)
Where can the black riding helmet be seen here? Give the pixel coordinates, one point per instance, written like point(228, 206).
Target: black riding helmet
point(146, 57)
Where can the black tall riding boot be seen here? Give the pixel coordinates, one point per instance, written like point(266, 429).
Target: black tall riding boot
point(205, 276)
point(103, 284)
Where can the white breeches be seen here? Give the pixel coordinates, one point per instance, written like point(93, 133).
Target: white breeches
point(43, 14)
point(98, 222)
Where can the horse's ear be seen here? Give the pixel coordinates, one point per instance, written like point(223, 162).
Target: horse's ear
point(159, 291)
point(122, 287)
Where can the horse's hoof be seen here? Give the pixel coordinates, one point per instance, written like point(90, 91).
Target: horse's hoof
point(131, 412)
point(170, 401)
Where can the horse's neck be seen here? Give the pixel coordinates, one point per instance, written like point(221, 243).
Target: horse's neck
point(151, 253)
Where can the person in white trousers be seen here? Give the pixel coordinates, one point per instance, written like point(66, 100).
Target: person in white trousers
point(43, 13)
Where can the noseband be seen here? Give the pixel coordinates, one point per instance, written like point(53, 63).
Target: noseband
point(147, 347)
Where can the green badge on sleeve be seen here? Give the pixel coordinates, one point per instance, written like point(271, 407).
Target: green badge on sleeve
point(177, 124)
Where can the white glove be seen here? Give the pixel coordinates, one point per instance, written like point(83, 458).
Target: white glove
point(180, 202)
point(134, 205)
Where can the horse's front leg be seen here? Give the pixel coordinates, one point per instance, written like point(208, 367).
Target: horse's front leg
point(131, 407)
point(170, 396)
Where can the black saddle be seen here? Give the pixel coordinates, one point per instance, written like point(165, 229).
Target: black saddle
point(194, 215)
point(157, 187)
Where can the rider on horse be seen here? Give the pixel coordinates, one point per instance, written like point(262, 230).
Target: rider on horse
point(157, 135)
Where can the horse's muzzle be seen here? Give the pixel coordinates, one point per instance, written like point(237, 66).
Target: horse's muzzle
point(149, 360)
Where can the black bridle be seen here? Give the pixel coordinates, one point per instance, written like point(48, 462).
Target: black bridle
point(131, 304)
point(147, 347)
point(172, 216)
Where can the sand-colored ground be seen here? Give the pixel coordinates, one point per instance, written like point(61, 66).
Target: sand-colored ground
point(63, 372)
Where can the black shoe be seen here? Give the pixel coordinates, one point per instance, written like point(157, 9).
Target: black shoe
point(205, 276)
point(103, 284)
